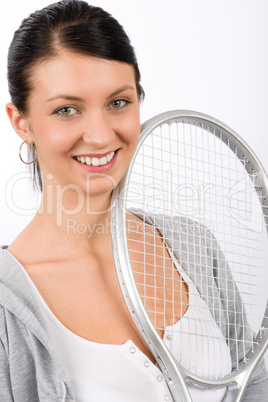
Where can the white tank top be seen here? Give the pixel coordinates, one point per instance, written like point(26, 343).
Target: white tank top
point(120, 373)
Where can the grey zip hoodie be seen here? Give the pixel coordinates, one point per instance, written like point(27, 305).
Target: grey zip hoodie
point(30, 369)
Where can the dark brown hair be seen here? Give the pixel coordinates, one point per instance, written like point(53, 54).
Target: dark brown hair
point(73, 25)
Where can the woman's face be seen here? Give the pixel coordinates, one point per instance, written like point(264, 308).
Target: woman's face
point(84, 120)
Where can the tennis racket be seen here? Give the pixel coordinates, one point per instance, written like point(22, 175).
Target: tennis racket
point(189, 232)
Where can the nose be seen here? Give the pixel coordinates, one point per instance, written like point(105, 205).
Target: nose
point(98, 130)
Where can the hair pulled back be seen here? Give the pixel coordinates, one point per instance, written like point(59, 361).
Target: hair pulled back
point(71, 25)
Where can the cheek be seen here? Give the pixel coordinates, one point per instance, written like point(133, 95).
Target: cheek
point(52, 138)
point(135, 136)
point(132, 130)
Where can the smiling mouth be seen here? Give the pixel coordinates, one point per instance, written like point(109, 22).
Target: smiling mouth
point(94, 161)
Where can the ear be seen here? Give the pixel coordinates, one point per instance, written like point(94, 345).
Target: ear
point(19, 123)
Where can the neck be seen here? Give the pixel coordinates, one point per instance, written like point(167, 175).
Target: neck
point(74, 221)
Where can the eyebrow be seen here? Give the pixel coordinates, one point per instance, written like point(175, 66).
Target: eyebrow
point(78, 99)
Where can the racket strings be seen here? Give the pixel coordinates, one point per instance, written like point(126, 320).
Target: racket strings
point(183, 170)
point(247, 279)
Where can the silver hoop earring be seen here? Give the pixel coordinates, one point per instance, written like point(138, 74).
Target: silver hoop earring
point(35, 156)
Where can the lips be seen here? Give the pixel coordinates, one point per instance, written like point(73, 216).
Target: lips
point(95, 161)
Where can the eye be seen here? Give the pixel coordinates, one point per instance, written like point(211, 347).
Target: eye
point(119, 103)
point(66, 111)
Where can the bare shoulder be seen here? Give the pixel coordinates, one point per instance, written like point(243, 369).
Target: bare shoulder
point(141, 233)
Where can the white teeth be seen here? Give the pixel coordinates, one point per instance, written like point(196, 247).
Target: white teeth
point(96, 161)
point(103, 160)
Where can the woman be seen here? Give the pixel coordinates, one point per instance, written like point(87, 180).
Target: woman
point(65, 331)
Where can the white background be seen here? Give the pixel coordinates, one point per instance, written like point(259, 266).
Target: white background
point(204, 55)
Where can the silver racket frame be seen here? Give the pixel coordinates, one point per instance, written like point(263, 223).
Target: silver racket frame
point(176, 376)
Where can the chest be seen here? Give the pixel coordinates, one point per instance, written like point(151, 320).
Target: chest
point(85, 296)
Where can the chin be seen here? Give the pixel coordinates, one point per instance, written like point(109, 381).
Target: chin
point(98, 186)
